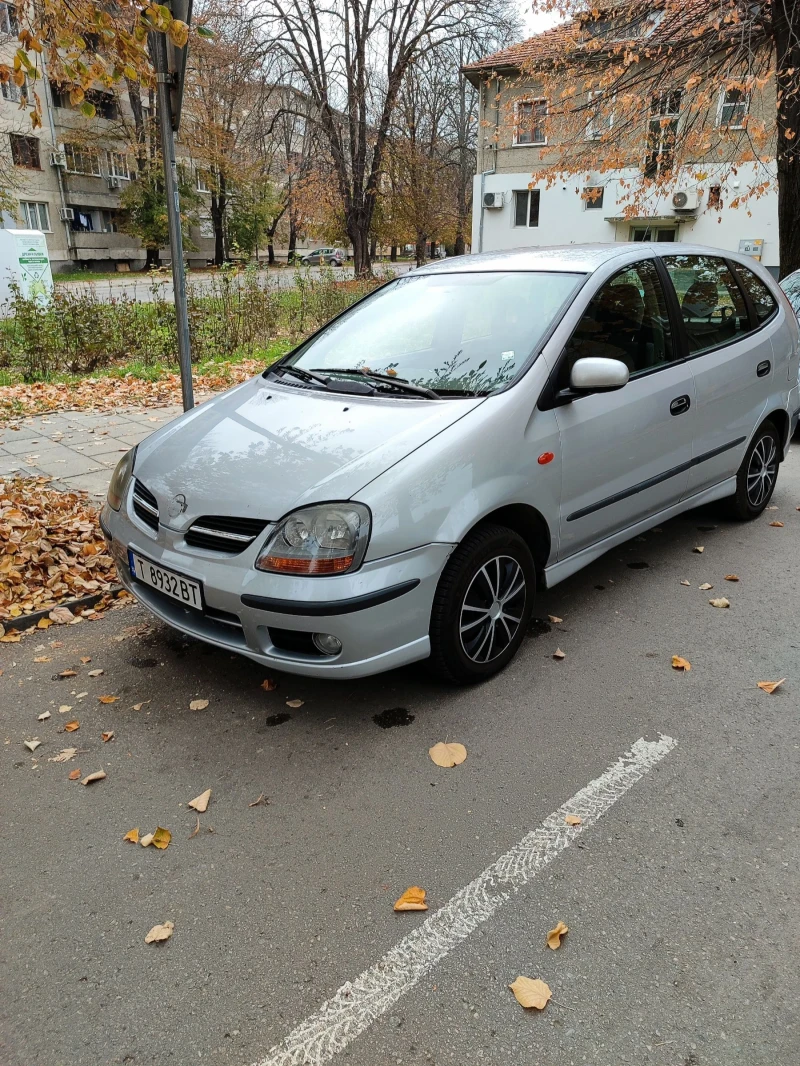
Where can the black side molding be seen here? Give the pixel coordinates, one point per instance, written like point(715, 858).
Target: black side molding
point(617, 497)
point(106, 532)
point(320, 608)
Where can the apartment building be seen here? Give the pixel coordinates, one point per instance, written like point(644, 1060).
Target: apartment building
point(699, 205)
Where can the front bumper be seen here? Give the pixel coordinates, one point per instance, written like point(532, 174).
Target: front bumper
point(381, 613)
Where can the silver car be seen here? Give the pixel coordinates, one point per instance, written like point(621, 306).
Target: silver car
point(398, 487)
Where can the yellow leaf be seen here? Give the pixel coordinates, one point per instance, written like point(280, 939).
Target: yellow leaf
point(448, 754)
point(778, 524)
point(178, 33)
point(98, 775)
point(159, 933)
point(73, 775)
point(721, 602)
point(65, 708)
point(44, 623)
point(68, 673)
point(43, 716)
point(413, 899)
point(770, 686)
point(11, 638)
point(198, 705)
point(42, 659)
point(138, 706)
point(107, 699)
point(95, 673)
point(686, 582)
point(706, 587)
point(146, 840)
point(294, 703)
point(132, 835)
point(572, 819)
point(64, 755)
point(70, 727)
point(200, 803)
point(679, 663)
point(269, 685)
point(559, 654)
point(86, 659)
point(555, 619)
point(554, 936)
point(161, 838)
point(731, 577)
point(108, 735)
point(32, 745)
point(699, 550)
point(531, 993)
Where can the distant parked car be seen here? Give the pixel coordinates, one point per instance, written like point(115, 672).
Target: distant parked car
point(791, 286)
point(324, 257)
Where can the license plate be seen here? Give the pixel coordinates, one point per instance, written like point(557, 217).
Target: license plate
point(176, 586)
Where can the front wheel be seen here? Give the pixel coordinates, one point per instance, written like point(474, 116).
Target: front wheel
point(757, 475)
point(482, 605)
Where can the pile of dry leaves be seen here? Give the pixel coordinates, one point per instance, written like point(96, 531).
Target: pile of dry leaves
point(51, 548)
point(107, 393)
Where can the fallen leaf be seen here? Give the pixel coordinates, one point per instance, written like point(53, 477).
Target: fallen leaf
point(95, 673)
point(731, 577)
point(770, 686)
point(258, 802)
point(138, 706)
point(65, 708)
point(86, 659)
point(721, 602)
point(572, 819)
point(200, 803)
point(64, 755)
point(98, 775)
point(294, 703)
point(196, 829)
point(686, 582)
point(161, 838)
point(413, 899)
point(74, 775)
point(147, 839)
point(699, 550)
point(132, 835)
point(68, 673)
point(554, 619)
point(679, 663)
point(531, 993)
point(12, 637)
point(42, 659)
point(269, 685)
point(554, 936)
point(107, 699)
point(159, 933)
point(108, 735)
point(198, 705)
point(70, 727)
point(43, 716)
point(559, 654)
point(778, 524)
point(32, 745)
point(61, 615)
point(448, 754)
point(44, 623)
point(706, 587)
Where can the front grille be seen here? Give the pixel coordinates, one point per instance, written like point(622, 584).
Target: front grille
point(219, 533)
point(145, 505)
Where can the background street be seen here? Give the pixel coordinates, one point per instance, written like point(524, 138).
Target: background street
point(681, 902)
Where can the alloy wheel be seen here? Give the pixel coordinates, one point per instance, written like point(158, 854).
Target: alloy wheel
point(492, 609)
point(762, 471)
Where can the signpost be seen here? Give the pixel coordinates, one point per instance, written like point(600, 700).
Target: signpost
point(170, 65)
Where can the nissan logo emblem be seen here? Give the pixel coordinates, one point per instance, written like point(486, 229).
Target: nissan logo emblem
point(178, 505)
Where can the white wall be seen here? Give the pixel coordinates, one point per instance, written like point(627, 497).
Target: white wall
point(563, 218)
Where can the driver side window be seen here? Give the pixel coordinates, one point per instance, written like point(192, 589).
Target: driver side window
point(626, 320)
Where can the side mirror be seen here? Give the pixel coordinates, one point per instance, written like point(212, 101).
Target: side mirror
point(593, 374)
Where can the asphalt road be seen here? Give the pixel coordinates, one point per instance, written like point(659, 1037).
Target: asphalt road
point(681, 902)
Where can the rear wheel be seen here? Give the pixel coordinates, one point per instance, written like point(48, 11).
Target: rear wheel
point(482, 605)
point(756, 477)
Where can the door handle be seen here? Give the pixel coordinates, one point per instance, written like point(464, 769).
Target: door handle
point(763, 368)
point(679, 405)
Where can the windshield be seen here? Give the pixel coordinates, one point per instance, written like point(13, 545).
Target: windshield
point(448, 332)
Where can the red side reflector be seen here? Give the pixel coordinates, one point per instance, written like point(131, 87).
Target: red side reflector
point(545, 458)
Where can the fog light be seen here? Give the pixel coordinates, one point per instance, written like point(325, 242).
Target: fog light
point(327, 643)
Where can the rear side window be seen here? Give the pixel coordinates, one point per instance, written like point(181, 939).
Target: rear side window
point(762, 298)
point(712, 305)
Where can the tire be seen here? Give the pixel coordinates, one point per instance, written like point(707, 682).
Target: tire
point(305, 262)
point(756, 477)
point(489, 558)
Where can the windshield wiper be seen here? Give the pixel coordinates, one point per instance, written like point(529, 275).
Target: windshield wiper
point(398, 383)
point(299, 372)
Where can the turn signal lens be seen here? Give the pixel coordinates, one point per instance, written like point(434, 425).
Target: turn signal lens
point(327, 539)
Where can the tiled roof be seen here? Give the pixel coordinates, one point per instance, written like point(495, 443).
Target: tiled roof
point(543, 45)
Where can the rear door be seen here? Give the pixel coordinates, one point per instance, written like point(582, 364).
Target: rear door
point(625, 454)
point(731, 362)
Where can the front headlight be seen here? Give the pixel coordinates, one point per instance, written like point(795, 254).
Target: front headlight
point(120, 478)
point(329, 538)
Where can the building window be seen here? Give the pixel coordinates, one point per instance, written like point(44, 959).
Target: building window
point(13, 92)
point(9, 24)
point(60, 95)
point(203, 179)
point(118, 165)
point(530, 122)
point(25, 151)
point(654, 233)
point(83, 222)
point(593, 197)
point(662, 132)
point(715, 197)
point(206, 227)
point(35, 215)
point(82, 160)
point(733, 104)
point(104, 103)
point(526, 207)
point(110, 221)
point(598, 121)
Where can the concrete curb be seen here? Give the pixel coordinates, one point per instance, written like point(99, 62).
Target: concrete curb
point(28, 621)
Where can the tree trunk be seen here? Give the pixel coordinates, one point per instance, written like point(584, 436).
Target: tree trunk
point(460, 245)
point(421, 249)
point(219, 203)
point(786, 28)
point(358, 232)
point(434, 246)
point(393, 254)
point(373, 248)
point(270, 253)
point(292, 239)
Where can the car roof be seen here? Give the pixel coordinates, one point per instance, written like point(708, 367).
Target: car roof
point(573, 258)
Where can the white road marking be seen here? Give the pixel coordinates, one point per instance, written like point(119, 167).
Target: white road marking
point(359, 1003)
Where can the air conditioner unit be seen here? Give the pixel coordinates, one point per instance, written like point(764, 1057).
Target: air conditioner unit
point(113, 183)
point(58, 159)
point(685, 200)
point(67, 214)
point(493, 200)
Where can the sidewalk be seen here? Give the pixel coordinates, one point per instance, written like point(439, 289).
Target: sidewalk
point(78, 449)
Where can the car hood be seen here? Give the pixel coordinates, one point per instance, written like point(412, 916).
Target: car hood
point(262, 449)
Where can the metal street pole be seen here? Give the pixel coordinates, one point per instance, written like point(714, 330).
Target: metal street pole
point(158, 52)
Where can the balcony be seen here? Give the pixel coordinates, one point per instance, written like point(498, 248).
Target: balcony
point(106, 246)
